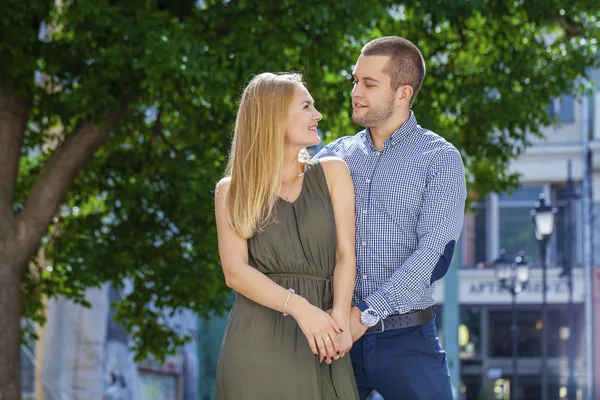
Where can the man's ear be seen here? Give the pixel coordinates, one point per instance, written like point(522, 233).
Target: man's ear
point(404, 94)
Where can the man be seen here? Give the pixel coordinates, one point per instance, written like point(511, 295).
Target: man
point(410, 195)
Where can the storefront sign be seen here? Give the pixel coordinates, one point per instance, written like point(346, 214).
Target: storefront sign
point(161, 381)
point(479, 286)
point(156, 386)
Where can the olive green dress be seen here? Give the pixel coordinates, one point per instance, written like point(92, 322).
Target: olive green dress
point(264, 355)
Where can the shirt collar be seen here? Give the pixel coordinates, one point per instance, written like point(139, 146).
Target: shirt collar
point(400, 134)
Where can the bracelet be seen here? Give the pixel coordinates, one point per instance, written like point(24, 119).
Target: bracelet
point(290, 291)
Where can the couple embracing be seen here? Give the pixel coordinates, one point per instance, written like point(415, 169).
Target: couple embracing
point(334, 259)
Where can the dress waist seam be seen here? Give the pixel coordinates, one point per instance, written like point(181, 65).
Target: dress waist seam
point(301, 276)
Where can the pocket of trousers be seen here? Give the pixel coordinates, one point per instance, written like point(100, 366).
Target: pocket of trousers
point(428, 334)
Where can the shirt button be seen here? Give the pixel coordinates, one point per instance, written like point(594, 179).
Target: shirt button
point(364, 277)
point(393, 143)
point(364, 211)
point(364, 243)
point(368, 181)
point(377, 153)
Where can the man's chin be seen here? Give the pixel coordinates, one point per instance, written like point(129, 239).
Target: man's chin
point(361, 121)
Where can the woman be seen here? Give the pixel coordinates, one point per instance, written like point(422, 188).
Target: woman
point(286, 241)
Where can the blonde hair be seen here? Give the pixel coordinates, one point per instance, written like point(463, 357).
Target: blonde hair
point(256, 159)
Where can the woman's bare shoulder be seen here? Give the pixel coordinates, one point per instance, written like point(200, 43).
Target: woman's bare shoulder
point(222, 186)
point(334, 166)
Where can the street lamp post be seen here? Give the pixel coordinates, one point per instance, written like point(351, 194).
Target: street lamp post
point(543, 222)
point(513, 276)
point(567, 273)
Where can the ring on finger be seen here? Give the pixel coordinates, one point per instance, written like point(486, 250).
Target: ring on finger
point(326, 338)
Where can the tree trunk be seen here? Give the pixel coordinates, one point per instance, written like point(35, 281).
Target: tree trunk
point(10, 327)
point(13, 120)
point(21, 233)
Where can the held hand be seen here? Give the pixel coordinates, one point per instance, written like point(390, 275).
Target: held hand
point(345, 338)
point(357, 329)
point(320, 330)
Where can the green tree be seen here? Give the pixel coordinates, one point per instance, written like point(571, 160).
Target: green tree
point(115, 122)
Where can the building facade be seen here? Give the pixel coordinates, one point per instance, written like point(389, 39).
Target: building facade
point(503, 221)
point(485, 334)
point(82, 353)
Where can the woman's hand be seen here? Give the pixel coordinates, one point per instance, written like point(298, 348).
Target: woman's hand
point(345, 338)
point(319, 328)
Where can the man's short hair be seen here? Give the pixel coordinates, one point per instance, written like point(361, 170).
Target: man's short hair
point(406, 65)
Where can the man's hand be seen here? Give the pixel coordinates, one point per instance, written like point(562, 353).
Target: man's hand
point(356, 328)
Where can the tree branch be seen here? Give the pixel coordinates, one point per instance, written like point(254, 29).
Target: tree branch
point(571, 28)
point(157, 128)
point(220, 33)
point(13, 122)
point(158, 131)
point(55, 179)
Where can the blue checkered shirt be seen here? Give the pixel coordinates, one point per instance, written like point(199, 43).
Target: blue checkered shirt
point(410, 199)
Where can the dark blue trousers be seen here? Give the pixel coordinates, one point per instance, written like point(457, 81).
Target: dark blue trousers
point(402, 364)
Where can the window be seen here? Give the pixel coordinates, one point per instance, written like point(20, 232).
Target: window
point(474, 236)
point(529, 339)
point(530, 387)
point(516, 225)
point(530, 332)
point(512, 228)
point(563, 108)
point(553, 107)
point(565, 239)
point(471, 387)
point(481, 227)
point(469, 332)
point(559, 332)
point(566, 112)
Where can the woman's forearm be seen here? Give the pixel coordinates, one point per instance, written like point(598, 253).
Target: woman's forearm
point(257, 287)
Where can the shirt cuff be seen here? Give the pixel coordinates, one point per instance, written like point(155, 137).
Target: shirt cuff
point(379, 303)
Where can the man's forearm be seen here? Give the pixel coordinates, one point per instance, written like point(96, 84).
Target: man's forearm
point(405, 288)
point(356, 327)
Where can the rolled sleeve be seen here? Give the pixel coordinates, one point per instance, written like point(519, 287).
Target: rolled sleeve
point(438, 229)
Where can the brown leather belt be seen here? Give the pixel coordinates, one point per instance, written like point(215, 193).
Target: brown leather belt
point(398, 321)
